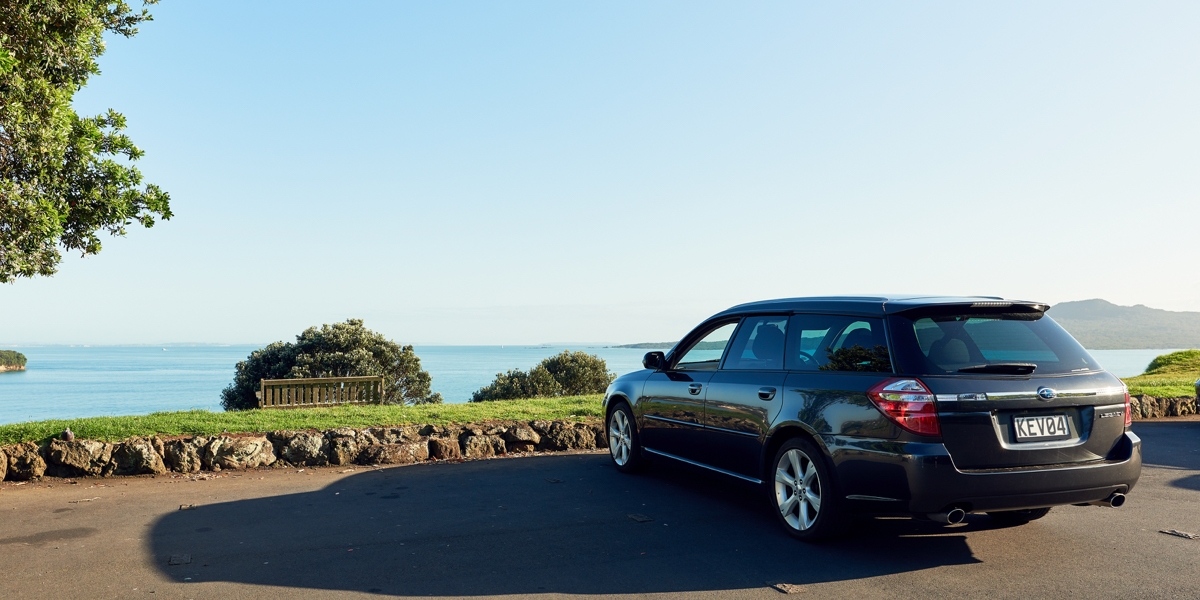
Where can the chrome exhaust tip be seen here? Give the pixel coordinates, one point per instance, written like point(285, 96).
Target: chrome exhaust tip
point(1116, 500)
point(953, 516)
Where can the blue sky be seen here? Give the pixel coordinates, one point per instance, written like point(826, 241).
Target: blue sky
point(508, 173)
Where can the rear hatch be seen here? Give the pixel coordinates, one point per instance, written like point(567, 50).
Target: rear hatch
point(1013, 389)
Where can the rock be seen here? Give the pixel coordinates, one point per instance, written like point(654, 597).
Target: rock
point(520, 437)
point(568, 436)
point(495, 428)
point(1148, 406)
point(601, 435)
point(137, 456)
point(445, 449)
point(521, 432)
point(394, 454)
point(1179, 407)
point(80, 458)
point(514, 447)
point(345, 444)
point(185, 455)
point(396, 435)
point(307, 448)
point(542, 427)
point(226, 452)
point(24, 462)
point(477, 446)
point(3, 464)
point(482, 446)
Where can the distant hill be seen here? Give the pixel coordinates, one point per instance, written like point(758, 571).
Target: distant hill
point(1102, 325)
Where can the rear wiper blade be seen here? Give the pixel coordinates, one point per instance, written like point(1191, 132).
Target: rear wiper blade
point(1013, 368)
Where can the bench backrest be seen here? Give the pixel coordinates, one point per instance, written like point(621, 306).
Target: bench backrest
point(319, 391)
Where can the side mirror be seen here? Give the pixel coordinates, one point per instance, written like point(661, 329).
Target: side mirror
point(654, 360)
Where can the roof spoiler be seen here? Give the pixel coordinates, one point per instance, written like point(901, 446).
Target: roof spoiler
point(991, 307)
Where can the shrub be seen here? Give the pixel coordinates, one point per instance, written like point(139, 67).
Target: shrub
point(340, 350)
point(566, 374)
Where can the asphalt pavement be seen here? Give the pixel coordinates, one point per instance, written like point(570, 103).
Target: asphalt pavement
point(561, 525)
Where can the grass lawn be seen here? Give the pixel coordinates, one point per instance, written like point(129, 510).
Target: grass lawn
point(202, 422)
point(1168, 376)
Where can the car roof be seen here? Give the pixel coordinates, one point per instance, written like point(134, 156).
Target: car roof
point(873, 305)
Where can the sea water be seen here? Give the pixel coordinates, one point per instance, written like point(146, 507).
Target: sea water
point(66, 382)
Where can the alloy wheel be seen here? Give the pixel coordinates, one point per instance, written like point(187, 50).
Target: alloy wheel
point(620, 439)
point(798, 489)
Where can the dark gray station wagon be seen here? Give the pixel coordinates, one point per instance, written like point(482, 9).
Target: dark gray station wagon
point(930, 407)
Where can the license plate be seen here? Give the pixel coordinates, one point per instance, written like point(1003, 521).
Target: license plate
point(1038, 429)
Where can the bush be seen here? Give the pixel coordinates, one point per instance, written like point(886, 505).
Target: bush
point(566, 374)
point(11, 358)
point(340, 350)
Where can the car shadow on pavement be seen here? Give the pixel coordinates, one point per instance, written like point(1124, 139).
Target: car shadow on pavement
point(1191, 482)
point(553, 524)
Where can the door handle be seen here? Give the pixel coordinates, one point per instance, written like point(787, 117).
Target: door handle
point(694, 389)
point(766, 393)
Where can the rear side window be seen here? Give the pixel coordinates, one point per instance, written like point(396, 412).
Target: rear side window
point(758, 344)
point(938, 344)
point(837, 343)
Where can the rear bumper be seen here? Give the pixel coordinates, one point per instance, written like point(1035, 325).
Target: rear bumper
point(883, 476)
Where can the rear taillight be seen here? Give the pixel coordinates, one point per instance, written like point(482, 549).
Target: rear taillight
point(1128, 407)
point(908, 403)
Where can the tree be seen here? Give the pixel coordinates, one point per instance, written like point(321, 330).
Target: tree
point(63, 178)
point(565, 374)
point(340, 350)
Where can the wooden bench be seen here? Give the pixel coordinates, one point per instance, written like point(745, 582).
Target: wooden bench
point(319, 391)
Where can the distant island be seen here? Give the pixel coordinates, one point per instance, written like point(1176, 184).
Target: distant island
point(649, 345)
point(11, 361)
point(1100, 325)
point(669, 345)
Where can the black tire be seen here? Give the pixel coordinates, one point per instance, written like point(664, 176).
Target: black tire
point(792, 500)
point(1017, 517)
point(624, 445)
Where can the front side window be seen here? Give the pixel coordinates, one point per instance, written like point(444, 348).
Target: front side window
point(706, 354)
point(837, 343)
point(759, 344)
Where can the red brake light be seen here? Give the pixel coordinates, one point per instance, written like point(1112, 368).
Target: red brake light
point(1128, 408)
point(908, 403)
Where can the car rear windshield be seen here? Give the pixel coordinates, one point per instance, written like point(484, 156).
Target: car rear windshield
point(966, 342)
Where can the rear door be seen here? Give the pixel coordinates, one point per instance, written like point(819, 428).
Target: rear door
point(745, 395)
point(1013, 389)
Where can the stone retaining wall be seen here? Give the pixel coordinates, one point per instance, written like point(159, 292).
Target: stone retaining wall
point(345, 446)
point(1146, 406)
